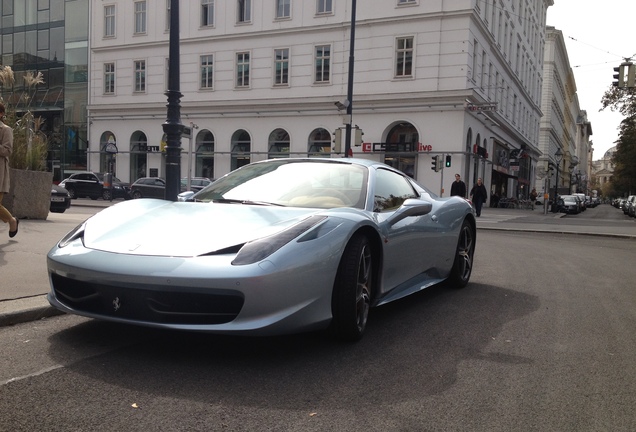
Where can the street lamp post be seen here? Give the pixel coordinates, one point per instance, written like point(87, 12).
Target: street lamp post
point(558, 156)
point(172, 127)
point(350, 83)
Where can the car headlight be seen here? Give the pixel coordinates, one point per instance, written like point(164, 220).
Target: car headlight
point(74, 234)
point(260, 249)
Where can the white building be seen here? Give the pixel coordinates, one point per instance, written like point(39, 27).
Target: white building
point(564, 127)
point(261, 78)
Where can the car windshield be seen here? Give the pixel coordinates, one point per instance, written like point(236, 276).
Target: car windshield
point(322, 184)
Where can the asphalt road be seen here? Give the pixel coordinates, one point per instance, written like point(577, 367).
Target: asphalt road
point(540, 340)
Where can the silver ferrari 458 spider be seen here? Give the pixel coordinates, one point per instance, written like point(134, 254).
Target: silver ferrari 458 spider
point(274, 247)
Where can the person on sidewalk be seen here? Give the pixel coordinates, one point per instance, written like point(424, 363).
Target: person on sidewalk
point(478, 195)
point(6, 147)
point(458, 188)
point(533, 197)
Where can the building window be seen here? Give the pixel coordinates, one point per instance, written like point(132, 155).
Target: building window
point(281, 67)
point(109, 21)
point(323, 63)
point(244, 12)
point(207, 13)
point(207, 72)
point(324, 7)
point(140, 76)
point(243, 69)
point(140, 17)
point(283, 8)
point(109, 78)
point(404, 57)
point(406, 2)
point(279, 144)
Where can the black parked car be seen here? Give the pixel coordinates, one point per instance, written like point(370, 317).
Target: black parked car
point(60, 199)
point(148, 187)
point(90, 184)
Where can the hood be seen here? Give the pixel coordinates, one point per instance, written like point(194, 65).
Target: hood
point(166, 228)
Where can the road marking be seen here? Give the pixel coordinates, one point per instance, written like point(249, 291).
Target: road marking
point(34, 374)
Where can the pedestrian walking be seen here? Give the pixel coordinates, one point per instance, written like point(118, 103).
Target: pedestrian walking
point(458, 188)
point(478, 195)
point(533, 197)
point(6, 147)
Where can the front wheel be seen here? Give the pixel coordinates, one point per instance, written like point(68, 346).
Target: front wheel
point(71, 193)
point(351, 299)
point(463, 264)
point(107, 195)
point(136, 194)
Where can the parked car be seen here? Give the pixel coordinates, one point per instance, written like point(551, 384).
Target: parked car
point(629, 205)
point(629, 202)
point(196, 183)
point(91, 184)
point(581, 197)
point(148, 187)
point(60, 199)
point(277, 246)
point(569, 204)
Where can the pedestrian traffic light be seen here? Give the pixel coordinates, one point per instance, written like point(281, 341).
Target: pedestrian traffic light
point(435, 165)
point(448, 161)
point(619, 76)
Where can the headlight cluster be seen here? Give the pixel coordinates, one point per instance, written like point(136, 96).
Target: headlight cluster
point(74, 234)
point(260, 249)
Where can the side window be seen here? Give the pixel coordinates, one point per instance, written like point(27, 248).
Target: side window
point(391, 190)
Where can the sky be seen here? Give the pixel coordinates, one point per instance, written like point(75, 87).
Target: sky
point(598, 36)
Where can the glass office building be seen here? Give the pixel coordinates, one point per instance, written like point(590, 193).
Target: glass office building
point(50, 37)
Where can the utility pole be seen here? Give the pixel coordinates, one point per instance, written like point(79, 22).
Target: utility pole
point(350, 84)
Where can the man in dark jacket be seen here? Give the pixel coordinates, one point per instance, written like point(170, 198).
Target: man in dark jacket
point(478, 196)
point(458, 188)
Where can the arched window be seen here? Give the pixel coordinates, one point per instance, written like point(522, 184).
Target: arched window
point(278, 144)
point(401, 147)
point(109, 140)
point(204, 165)
point(241, 147)
point(319, 144)
point(138, 156)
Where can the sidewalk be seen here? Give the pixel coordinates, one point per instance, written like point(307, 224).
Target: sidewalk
point(23, 258)
point(23, 263)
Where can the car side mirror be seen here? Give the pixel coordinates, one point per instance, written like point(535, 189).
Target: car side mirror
point(410, 207)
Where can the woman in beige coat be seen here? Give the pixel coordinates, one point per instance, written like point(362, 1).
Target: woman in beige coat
point(6, 147)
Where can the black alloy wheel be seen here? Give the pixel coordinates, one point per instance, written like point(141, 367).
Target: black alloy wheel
point(351, 299)
point(463, 264)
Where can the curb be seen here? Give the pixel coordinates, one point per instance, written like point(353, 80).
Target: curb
point(25, 310)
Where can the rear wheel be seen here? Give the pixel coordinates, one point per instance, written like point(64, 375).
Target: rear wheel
point(351, 299)
point(136, 194)
point(463, 264)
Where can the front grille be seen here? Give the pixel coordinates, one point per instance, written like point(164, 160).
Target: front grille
point(178, 306)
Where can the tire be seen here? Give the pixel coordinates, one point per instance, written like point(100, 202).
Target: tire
point(352, 292)
point(136, 194)
point(106, 195)
point(464, 255)
point(71, 192)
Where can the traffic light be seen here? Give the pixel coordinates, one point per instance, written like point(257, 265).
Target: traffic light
point(448, 161)
point(435, 164)
point(631, 75)
point(337, 141)
point(619, 76)
point(358, 137)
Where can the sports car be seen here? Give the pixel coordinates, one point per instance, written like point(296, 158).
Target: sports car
point(274, 247)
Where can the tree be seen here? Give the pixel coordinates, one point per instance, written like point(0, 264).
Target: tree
point(623, 100)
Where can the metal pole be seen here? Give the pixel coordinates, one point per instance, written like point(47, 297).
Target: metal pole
point(556, 186)
point(173, 127)
point(350, 84)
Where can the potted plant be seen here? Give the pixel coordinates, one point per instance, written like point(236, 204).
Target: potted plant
point(29, 196)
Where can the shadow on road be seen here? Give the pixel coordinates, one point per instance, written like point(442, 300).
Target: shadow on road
point(412, 348)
